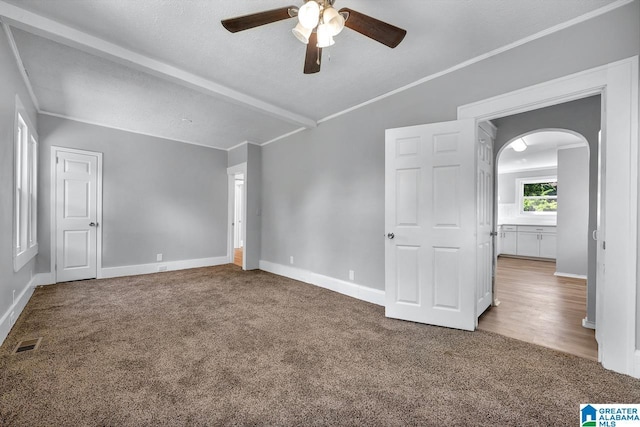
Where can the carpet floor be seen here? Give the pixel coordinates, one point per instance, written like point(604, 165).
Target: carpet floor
point(219, 346)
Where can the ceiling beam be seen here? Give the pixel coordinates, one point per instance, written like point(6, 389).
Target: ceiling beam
point(53, 30)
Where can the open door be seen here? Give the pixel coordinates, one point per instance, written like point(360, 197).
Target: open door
point(430, 219)
point(484, 205)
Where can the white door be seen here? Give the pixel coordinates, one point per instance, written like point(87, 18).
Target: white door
point(76, 216)
point(430, 219)
point(485, 253)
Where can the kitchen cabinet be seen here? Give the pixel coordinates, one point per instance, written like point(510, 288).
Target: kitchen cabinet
point(527, 241)
point(548, 245)
point(507, 240)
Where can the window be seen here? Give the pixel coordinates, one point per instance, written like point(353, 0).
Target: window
point(538, 196)
point(26, 189)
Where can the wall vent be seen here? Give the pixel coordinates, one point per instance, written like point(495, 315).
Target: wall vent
point(27, 345)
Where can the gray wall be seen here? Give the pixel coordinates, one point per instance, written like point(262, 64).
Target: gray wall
point(237, 155)
point(323, 188)
point(582, 116)
point(573, 211)
point(11, 83)
point(253, 187)
point(159, 196)
point(251, 154)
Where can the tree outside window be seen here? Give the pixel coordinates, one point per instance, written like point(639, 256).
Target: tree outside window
point(538, 196)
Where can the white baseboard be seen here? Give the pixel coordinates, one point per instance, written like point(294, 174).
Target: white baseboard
point(588, 324)
point(571, 276)
point(43, 279)
point(636, 364)
point(134, 270)
point(360, 292)
point(9, 318)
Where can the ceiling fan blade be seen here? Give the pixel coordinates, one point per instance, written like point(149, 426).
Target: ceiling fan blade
point(256, 19)
point(313, 57)
point(375, 29)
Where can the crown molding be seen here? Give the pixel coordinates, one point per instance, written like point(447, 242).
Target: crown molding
point(495, 52)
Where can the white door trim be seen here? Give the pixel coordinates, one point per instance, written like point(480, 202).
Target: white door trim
point(53, 232)
point(231, 173)
point(617, 82)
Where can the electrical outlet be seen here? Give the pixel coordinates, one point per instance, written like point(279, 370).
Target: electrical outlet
point(352, 275)
point(162, 268)
point(159, 257)
point(291, 259)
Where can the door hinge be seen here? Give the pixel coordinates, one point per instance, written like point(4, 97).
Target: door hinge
point(57, 160)
point(604, 245)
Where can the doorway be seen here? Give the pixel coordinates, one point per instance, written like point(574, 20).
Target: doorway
point(238, 237)
point(237, 231)
point(618, 212)
point(76, 217)
point(544, 205)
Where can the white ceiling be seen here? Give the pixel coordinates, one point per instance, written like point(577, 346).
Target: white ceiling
point(541, 153)
point(145, 65)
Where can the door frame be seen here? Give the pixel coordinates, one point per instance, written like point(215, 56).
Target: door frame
point(231, 174)
point(54, 251)
point(617, 84)
point(238, 238)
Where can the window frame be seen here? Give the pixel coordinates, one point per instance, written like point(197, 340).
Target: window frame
point(25, 183)
point(520, 197)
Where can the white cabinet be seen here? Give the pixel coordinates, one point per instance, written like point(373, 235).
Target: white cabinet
point(548, 245)
point(527, 241)
point(507, 240)
point(536, 241)
point(528, 244)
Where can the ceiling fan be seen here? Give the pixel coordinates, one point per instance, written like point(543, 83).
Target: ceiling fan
point(318, 22)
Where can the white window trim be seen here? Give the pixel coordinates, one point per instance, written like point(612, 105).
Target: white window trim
point(25, 214)
point(520, 194)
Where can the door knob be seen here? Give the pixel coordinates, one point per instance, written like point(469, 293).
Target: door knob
point(93, 224)
point(391, 235)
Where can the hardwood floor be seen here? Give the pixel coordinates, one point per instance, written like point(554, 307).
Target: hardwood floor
point(237, 257)
point(540, 308)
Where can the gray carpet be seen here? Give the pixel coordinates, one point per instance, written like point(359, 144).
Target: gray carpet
point(218, 346)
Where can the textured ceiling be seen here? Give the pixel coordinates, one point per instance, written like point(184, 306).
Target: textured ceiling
point(542, 151)
point(264, 63)
point(89, 88)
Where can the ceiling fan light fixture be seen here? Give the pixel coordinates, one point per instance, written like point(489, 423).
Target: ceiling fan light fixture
point(519, 145)
point(302, 33)
point(334, 20)
point(309, 14)
point(325, 39)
